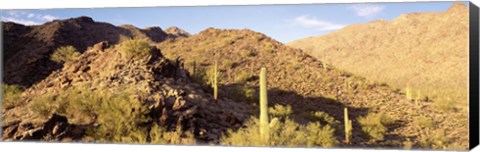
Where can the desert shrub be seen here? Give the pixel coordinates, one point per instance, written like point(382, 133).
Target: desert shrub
point(205, 77)
point(445, 104)
point(228, 64)
point(244, 93)
point(135, 48)
point(425, 122)
point(107, 107)
point(437, 140)
point(280, 111)
point(159, 135)
point(374, 125)
point(64, 54)
point(247, 52)
point(11, 95)
point(324, 117)
point(319, 116)
point(269, 47)
point(282, 133)
point(120, 117)
point(243, 77)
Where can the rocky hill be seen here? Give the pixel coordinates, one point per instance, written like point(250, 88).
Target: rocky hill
point(27, 48)
point(123, 100)
point(424, 52)
point(309, 85)
point(176, 32)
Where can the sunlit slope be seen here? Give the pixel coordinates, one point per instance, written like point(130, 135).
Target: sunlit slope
point(427, 52)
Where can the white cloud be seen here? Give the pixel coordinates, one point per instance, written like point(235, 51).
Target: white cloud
point(312, 22)
point(48, 17)
point(26, 18)
point(366, 10)
point(30, 15)
point(20, 21)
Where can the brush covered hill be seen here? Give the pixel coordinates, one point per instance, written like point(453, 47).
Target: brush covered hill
point(424, 53)
point(309, 86)
point(27, 48)
point(138, 96)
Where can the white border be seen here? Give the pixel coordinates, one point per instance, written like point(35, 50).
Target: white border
point(48, 4)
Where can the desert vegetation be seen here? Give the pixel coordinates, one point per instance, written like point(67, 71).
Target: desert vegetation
point(280, 130)
point(170, 87)
point(64, 54)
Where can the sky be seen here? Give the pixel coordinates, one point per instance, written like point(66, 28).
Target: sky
point(284, 23)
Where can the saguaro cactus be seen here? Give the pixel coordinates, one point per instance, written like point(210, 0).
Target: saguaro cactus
point(348, 127)
point(408, 93)
point(264, 126)
point(215, 82)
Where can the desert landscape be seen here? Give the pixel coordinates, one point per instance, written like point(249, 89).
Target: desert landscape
point(400, 84)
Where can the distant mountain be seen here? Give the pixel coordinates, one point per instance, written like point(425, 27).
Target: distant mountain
point(176, 32)
point(27, 48)
point(424, 51)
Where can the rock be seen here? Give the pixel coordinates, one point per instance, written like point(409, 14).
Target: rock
point(179, 103)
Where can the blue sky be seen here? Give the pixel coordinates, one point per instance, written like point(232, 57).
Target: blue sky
point(284, 23)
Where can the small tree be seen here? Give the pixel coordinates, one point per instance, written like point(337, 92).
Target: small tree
point(64, 54)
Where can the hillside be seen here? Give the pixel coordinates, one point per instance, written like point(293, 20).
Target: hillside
point(422, 53)
point(157, 89)
point(303, 82)
point(135, 98)
point(27, 48)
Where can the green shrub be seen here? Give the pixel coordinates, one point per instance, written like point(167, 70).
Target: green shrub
point(135, 48)
point(245, 93)
point(243, 77)
point(159, 135)
point(445, 104)
point(120, 116)
point(11, 95)
point(326, 118)
point(285, 133)
point(280, 111)
point(374, 125)
point(269, 47)
point(64, 54)
point(425, 122)
point(437, 140)
point(43, 105)
point(248, 53)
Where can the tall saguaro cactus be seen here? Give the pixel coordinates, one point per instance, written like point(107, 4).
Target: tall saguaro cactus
point(215, 81)
point(264, 126)
point(348, 127)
